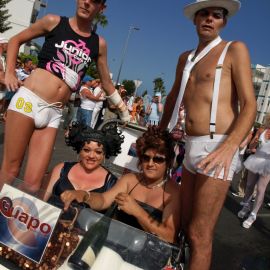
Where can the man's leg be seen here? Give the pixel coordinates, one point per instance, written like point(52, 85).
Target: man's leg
point(39, 156)
point(18, 131)
point(187, 190)
point(208, 198)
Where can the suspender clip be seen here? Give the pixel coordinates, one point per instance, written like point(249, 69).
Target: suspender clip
point(220, 66)
point(212, 130)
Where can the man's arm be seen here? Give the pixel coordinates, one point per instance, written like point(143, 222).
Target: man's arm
point(242, 79)
point(172, 97)
point(39, 28)
point(113, 95)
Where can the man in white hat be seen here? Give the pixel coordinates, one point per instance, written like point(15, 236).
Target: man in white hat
point(211, 81)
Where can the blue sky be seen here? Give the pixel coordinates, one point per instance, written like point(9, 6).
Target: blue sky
point(165, 33)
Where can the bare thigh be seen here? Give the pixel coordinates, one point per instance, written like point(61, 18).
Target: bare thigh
point(187, 191)
point(202, 199)
point(208, 199)
point(18, 131)
point(39, 155)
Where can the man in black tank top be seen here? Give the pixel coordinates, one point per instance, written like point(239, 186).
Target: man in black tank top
point(36, 108)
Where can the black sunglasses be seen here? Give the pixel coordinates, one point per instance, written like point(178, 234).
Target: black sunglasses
point(155, 159)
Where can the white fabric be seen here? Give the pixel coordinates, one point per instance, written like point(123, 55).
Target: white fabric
point(191, 62)
point(109, 259)
point(260, 161)
point(87, 103)
point(96, 92)
point(29, 104)
point(3, 60)
point(217, 79)
point(70, 77)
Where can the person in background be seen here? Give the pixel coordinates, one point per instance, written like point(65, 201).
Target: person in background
point(258, 166)
point(87, 174)
point(148, 200)
point(88, 100)
point(238, 185)
point(211, 81)
point(25, 70)
point(98, 92)
point(70, 47)
point(137, 106)
point(154, 110)
point(3, 49)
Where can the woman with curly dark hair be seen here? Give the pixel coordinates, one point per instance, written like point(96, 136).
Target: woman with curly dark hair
point(148, 200)
point(87, 174)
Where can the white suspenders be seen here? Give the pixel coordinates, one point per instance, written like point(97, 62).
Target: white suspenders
point(217, 79)
point(186, 72)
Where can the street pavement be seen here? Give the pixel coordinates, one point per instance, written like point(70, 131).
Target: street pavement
point(235, 248)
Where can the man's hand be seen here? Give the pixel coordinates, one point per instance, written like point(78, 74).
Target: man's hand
point(127, 204)
point(219, 159)
point(12, 83)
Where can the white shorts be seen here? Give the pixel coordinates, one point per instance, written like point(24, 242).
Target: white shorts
point(197, 148)
point(28, 103)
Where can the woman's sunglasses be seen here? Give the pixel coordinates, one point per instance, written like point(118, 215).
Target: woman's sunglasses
point(155, 159)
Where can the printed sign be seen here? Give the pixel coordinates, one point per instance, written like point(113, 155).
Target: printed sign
point(26, 223)
point(128, 158)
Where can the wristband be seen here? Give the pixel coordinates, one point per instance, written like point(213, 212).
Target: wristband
point(117, 101)
point(86, 197)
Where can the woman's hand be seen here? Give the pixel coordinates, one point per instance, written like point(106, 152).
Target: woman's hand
point(127, 204)
point(12, 83)
point(69, 196)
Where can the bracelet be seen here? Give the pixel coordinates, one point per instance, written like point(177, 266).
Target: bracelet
point(86, 197)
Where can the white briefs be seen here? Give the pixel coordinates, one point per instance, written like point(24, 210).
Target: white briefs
point(197, 148)
point(44, 114)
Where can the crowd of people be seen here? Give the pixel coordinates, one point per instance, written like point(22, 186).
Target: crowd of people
point(188, 155)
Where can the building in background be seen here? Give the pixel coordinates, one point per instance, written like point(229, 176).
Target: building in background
point(23, 13)
point(261, 79)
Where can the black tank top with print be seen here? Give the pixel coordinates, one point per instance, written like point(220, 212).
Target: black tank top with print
point(67, 55)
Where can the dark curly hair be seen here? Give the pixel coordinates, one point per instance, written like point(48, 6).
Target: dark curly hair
point(110, 137)
point(160, 140)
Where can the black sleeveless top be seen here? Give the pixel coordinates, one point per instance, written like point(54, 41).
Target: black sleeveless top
point(63, 184)
point(67, 55)
point(153, 212)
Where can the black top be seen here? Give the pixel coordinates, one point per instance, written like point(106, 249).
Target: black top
point(67, 55)
point(153, 212)
point(63, 183)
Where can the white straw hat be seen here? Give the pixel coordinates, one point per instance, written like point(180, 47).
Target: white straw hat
point(232, 6)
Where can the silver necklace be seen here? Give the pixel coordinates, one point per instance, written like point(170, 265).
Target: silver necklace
point(158, 185)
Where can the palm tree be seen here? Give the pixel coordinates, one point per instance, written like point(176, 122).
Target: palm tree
point(4, 25)
point(100, 19)
point(159, 86)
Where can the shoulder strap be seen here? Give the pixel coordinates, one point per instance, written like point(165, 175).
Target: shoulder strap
point(217, 79)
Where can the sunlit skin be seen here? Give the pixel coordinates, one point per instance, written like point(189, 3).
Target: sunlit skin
point(91, 156)
point(209, 22)
point(87, 9)
point(49, 88)
point(153, 172)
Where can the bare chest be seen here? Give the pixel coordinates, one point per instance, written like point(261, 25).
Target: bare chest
point(200, 84)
